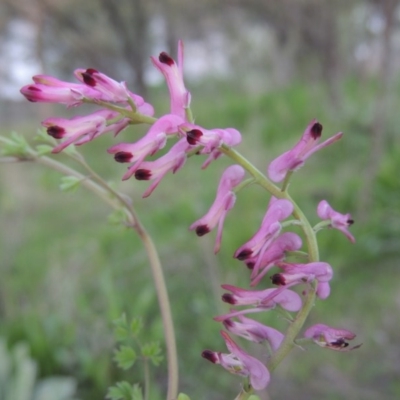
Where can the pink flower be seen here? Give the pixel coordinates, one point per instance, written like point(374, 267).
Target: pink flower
point(155, 170)
point(224, 201)
point(254, 331)
point(331, 338)
point(110, 89)
point(304, 273)
point(81, 129)
point(293, 159)
point(240, 363)
point(154, 140)
point(173, 74)
point(275, 253)
point(47, 89)
point(278, 210)
point(338, 221)
point(229, 136)
point(262, 300)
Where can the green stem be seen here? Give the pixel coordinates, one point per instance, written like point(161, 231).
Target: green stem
point(146, 379)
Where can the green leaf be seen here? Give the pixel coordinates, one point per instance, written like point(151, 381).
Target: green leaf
point(69, 183)
point(16, 146)
point(152, 351)
point(254, 397)
point(121, 329)
point(43, 136)
point(136, 326)
point(137, 392)
point(43, 149)
point(121, 391)
point(125, 357)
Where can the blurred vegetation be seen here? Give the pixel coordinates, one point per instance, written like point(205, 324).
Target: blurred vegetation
point(67, 273)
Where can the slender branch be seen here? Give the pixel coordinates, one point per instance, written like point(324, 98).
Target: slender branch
point(116, 201)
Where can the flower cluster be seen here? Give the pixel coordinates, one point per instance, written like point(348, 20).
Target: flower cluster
point(271, 246)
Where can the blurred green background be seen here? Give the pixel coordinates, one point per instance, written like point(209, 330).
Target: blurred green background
point(264, 68)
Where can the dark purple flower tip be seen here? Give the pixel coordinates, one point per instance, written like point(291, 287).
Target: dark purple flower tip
point(228, 323)
point(193, 136)
point(210, 356)
point(245, 253)
point(123, 156)
point(278, 279)
point(350, 222)
point(88, 77)
point(57, 132)
point(166, 59)
point(202, 230)
point(250, 264)
point(339, 344)
point(228, 298)
point(143, 174)
point(316, 130)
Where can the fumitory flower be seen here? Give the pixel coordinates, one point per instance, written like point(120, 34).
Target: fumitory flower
point(155, 170)
point(254, 331)
point(331, 338)
point(154, 140)
point(263, 300)
point(337, 220)
point(303, 273)
point(240, 363)
point(81, 129)
point(275, 253)
point(278, 210)
point(112, 90)
point(47, 89)
point(293, 159)
point(224, 201)
point(231, 137)
point(173, 73)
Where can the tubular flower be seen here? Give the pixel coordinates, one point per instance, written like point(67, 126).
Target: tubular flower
point(278, 210)
point(224, 201)
point(275, 253)
point(111, 89)
point(155, 170)
point(231, 137)
point(262, 300)
point(338, 221)
point(304, 273)
point(47, 89)
point(293, 159)
point(51, 90)
point(173, 74)
point(154, 140)
point(240, 363)
point(81, 129)
point(331, 338)
point(254, 331)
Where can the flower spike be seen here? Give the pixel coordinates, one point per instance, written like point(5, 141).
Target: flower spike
point(240, 363)
point(293, 159)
